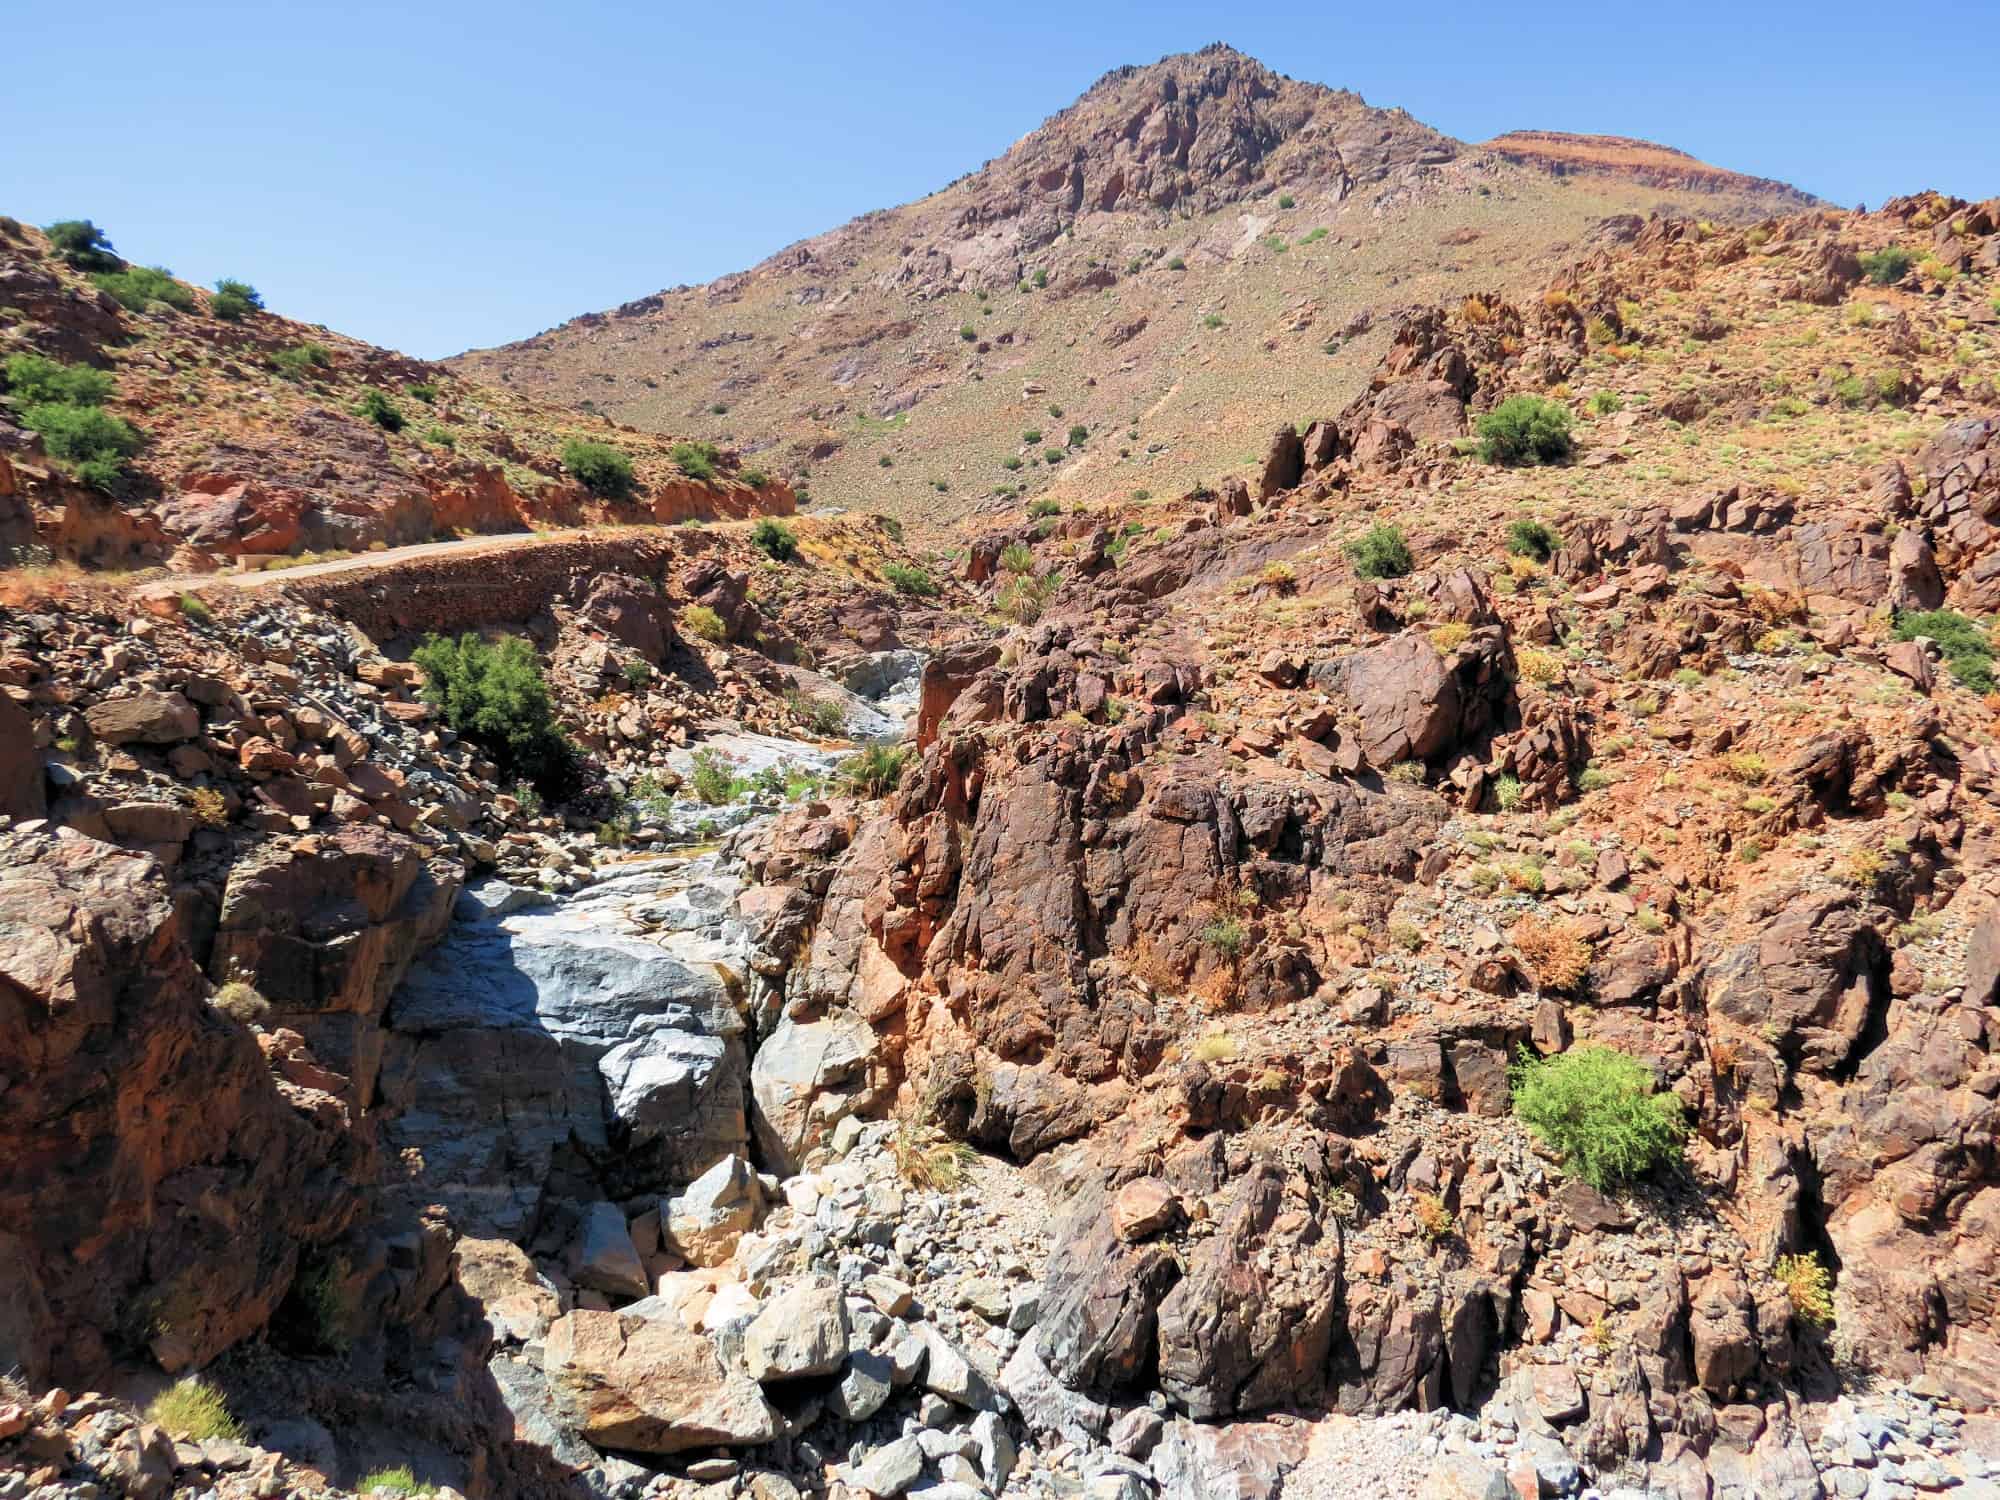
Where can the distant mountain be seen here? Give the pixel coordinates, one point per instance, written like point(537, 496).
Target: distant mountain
point(1192, 252)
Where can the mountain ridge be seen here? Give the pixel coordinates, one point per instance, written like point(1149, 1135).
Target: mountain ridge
point(1136, 259)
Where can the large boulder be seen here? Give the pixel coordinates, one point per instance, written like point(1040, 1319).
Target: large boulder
point(801, 1331)
point(649, 1385)
point(1411, 703)
point(143, 719)
point(155, 1180)
point(807, 1077)
point(1100, 1303)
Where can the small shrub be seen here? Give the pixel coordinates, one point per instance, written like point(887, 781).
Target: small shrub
point(1809, 1285)
point(1078, 434)
point(1448, 637)
point(1213, 320)
point(927, 1158)
point(1011, 462)
point(82, 245)
point(1598, 1111)
point(396, 1481)
point(32, 380)
point(1438, 1222)
point(1054, 455)
point(1525, 430)
point(1538, 666)
point(908, 579)
point(713, 779)
point(194, 1411)
point(241, 1002)
point(1966, 647)
point(88, 441)
point(1604, 403)
point(1556, 953)
point(137, 288)
point(775, 540)
point(1226, 935)
point(1887, 266)
point(601, 468)
point(1176, 264)
point(1279, 577)
point(1381, 552)
point(696, 460)
point(1285, 200)
point(376, 407)
point(300, 360)
point(439, 437)
point(234, 301)
point(1023, 598)
point(1016, 558)
point(210, 807)
point(1507, 791)
point(494, 695)
point(425, 391)
point(755, 478)
point(1531, 538)
point(1217, 1046)
point(873, 772)
point(699, 620)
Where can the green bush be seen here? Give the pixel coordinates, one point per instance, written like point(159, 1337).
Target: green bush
point(874, 772)
point(235, 300)
point(1078, 435)
point(714, 780)
point(1380, 552)
point(376, 407)
point(193, 1411)
point(32, 380)
point(1525, 430)
point(397, 1481)
point(85, 439)
point(1967, 649)
point(1285, 200)
point(1531, 538)
point(83, 245)
point(696, 460)
point(755, 478)
point(700, 620)
point(493, 694)
point(1043, 507)
point(439, 436)
point(300, 360)
point(775, 540)
point(911, 580)
point(1604, 403)
point(1053, 455)
point(425, 391)
point(1016, 558)
point(1597, 1109)
point(137, 288)
point(1888, 266)
point(1177, 264)
point(600, 468)
point(967, 332)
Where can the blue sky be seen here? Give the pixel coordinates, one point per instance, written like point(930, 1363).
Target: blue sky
point(440, 176)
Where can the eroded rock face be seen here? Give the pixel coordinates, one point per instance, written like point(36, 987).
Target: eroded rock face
point(181, 1237)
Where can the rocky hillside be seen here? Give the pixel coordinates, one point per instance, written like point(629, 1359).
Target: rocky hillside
point(1099, 310)
point(1642, 161)
point(1459, 959)
point(248, 435)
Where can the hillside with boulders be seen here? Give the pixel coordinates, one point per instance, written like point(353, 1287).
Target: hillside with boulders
point(1097, 311)
point(1458, 955)
point(145, 422)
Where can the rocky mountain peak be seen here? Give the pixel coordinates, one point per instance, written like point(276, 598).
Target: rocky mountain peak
point(1192, 132)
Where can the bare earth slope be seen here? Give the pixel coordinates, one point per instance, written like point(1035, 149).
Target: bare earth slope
point(1137, 266)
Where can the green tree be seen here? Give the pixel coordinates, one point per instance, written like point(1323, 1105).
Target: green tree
point(235, 300)
point(83, 245)
point(378, 408)
point(1381, 552)
point(494, 695)
point(599, 468)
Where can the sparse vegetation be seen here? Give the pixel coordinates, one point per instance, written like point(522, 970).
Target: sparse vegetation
point(1226, 935)
point(1531, 538)
point(297, 361)
point(1525, 430)
point(696, 460)
point(1964, 643)
point(873, 772)
point(1381, 552)
point(1556, 952)
point(704, 623)
point(375, 406)
point(1598, 1111)
point(1887, 266)
point(906, 578)
point(600, 468)
point(775, 540)
point(194, 1411)
point(1809, 1286)
point(1436, 1220)
point(137, 288)
point(395, 1481)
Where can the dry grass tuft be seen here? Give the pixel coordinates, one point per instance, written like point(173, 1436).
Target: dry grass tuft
point(1555, 952)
